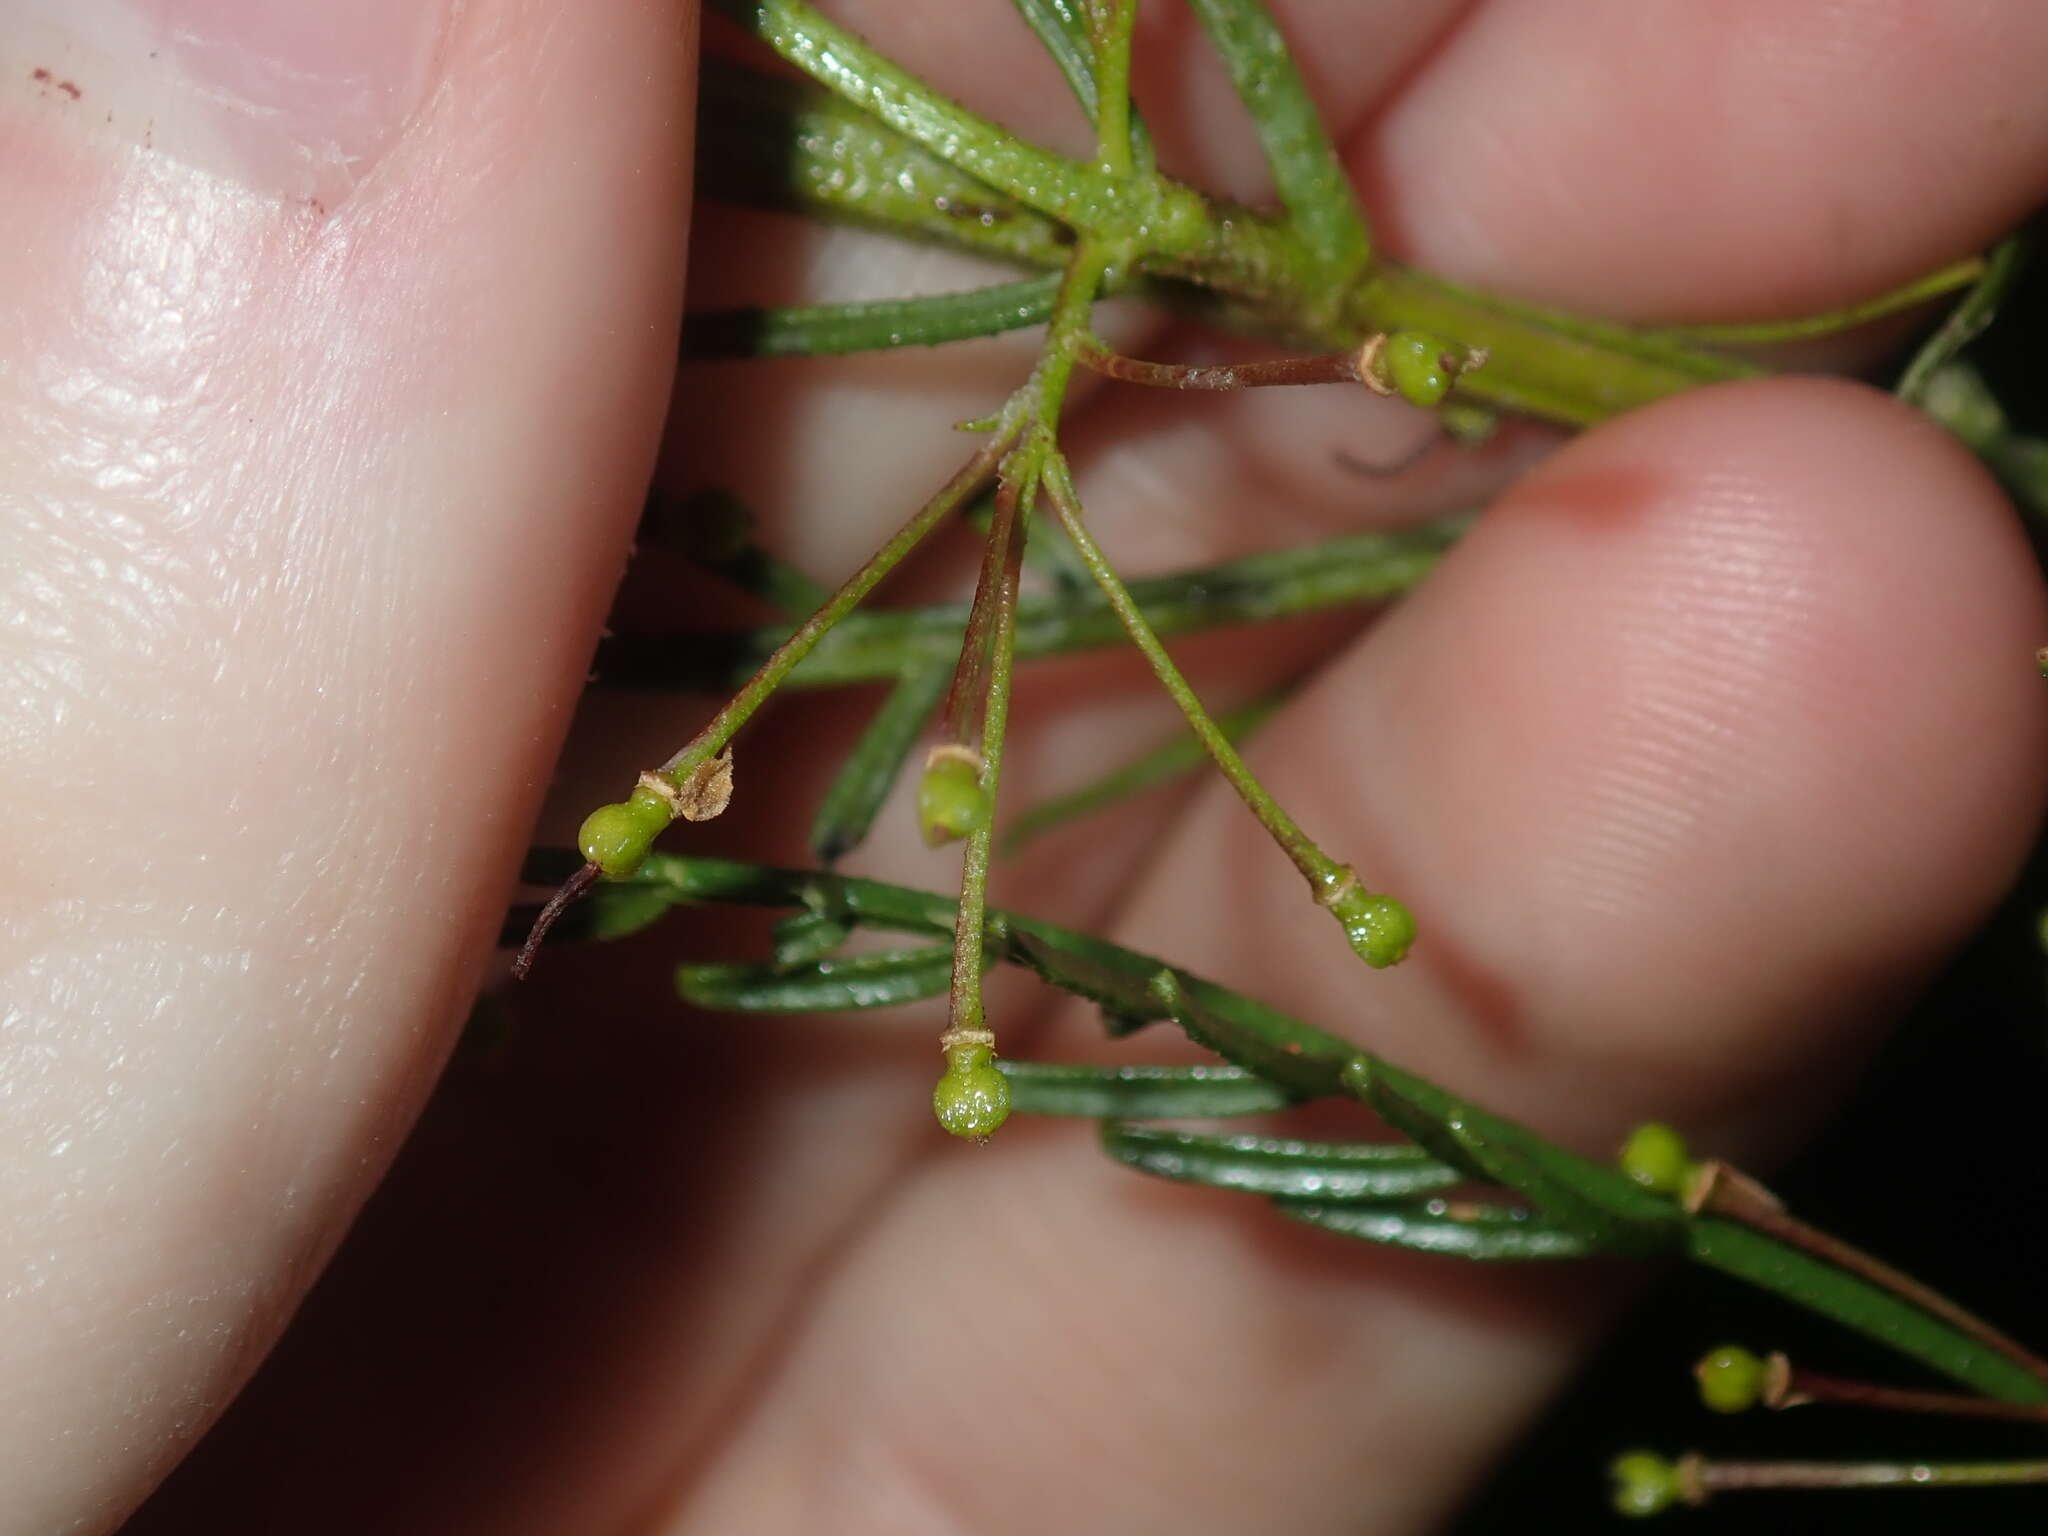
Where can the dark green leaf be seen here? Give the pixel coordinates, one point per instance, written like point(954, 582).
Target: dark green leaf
point(1138, 1092)
point(1304, 1061)
point(1854, 1302)
point(1597, 1201)
point(809, 935)
point(865, 647)
point(1181, 755)
point(612, 911)
point(864, 780)
point(839, 982)
point(871, 325)
point(1449, 1227)
point(1265, 1165)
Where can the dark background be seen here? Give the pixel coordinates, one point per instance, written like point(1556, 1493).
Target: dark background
point(1937, 1165)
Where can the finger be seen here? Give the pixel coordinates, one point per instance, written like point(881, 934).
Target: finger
point(320, 448)
point(1665, 761)
point(1712, 163)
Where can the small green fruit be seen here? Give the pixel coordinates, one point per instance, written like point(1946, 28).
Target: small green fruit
point(1380, 929)
point(1655, 1156)
point(1414, 364)
point(1644, 1483)
point(616, 837)
point(973, 1098)
point(1731, 1379)
point(950, 800)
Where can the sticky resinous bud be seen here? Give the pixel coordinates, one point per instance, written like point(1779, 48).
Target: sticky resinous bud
point(1380, 930)
point(972, 1099)
point(1416, 365)
point(951, 800)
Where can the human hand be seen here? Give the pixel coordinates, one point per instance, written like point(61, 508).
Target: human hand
point(314, 513)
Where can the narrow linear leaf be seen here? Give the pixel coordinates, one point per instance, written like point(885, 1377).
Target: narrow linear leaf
point(809, 935)
point(1596, 1201)
point(855, 981)
point(1069, 190)
point(1179, 756)
point(1855, 1303)
point(867, 646)
point(764, 141)
point(1306, 171)
point(1265, 1165)
point(1076, 970)
point(616, 911)
point(1139, 1092)
point(1759, 333)
point(872, 325)
point(847, 812)
point(1063, 31)
point(1308, 1064)
point(1966, 321)
point(1456, 1229)
point(713, 528)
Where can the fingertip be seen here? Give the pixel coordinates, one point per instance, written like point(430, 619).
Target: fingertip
point(1714, 735)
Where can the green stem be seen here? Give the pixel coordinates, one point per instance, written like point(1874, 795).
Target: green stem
point(1334, 885)
point(1710, 1477)
point(1139, 774)
point(970, 941)
point(712, 740)
point(867, 647)
point(1116, 19)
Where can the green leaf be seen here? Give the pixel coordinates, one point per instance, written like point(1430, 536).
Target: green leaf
point(1856, 1303)
point(1595, 1200)
point(1179, 756)
point(808, 935)
point(711, 528)
point(766, 141)
point(613, 910)
point(1063, 30)
point(865, 647)
point(1306, 171)
point(837, 982)
point(870, 770)
point(1451, 1228)
point(1265, 1165)
point(1072, 191)
point(870, 325)
point(1139, 1092)
point(1305, 1061)
point(1966, 321)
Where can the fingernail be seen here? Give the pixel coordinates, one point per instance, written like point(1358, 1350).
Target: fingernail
point(295, 98)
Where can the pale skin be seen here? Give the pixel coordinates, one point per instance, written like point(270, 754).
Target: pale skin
point(1710, 742)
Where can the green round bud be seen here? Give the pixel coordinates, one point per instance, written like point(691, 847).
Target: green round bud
point(1731, 1379)
point(950, 800)
point(616, 837)
point(1380, 929)
point(1644, 1483)
point(2041, 660)
point(1414, 364)
point(972, 1099)
point(1655, 1156)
